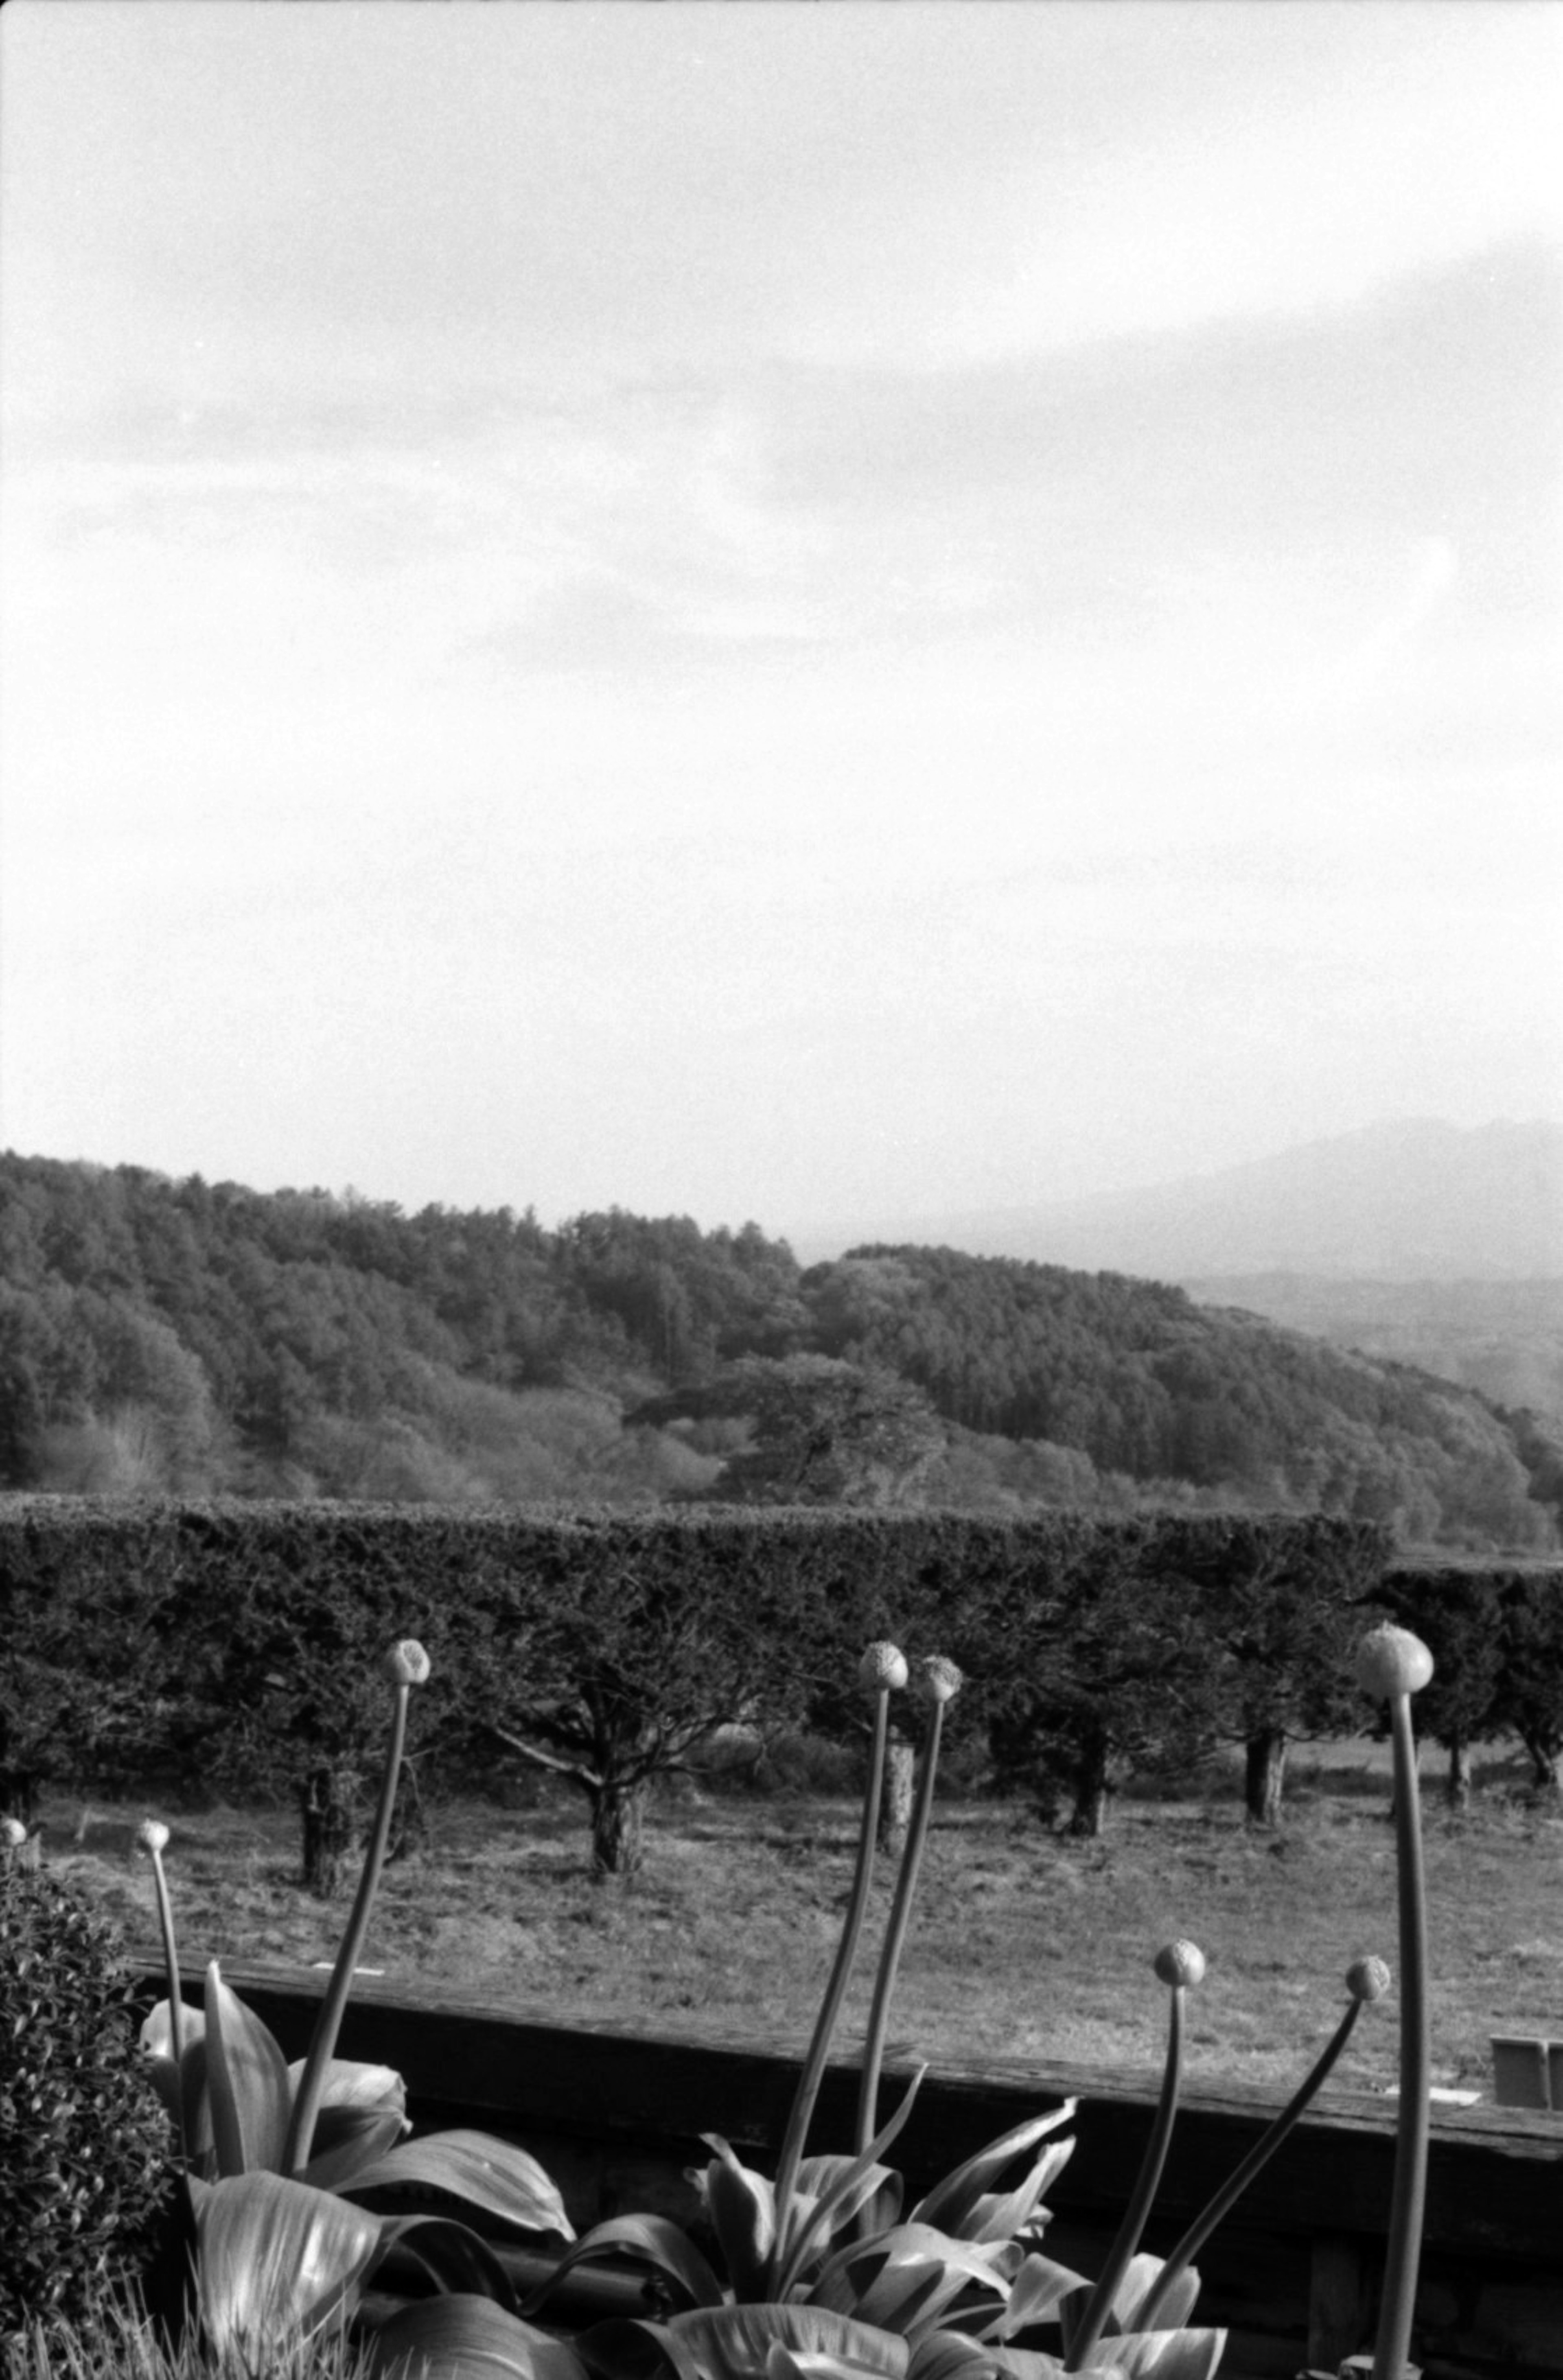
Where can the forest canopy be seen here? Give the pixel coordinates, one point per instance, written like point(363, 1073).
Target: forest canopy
point(161, 1336)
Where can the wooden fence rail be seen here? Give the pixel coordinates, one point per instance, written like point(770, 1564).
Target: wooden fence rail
point(616, 2116)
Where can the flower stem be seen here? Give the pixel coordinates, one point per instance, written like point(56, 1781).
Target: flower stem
point(1099, 2305)
point(846, 1953)
point(1403, 2251)
point(312, 2082)
point(896, 1935)
point(170, 1957)
point(1227, 2197)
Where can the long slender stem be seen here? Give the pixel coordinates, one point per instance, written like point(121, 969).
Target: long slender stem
point(312, 2082)
point(1099, 2305)
point(1403, 2251)
point(896, 1935)
point(170, 1957)
point(1227, 2197)
point(846, 1953)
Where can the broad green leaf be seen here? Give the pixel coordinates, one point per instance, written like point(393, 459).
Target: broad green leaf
point(1037, 2291)
point(809, 2235)
point(494, 2175)
point(157, 2030)
point(1176, 2307)
point(726, 2342)
point(349, 2139)
point(735, 2343)
point(950, 2355)
point(742, 2207)
point(247, 2085)
point(949, 2202)
point(999, 2214)
point(456, 2260)
point(349, 2083)
point(1168, 2354)
point(797, 2363)
point(462, 2337)
point(817, 2176)
point(644, 2240)
point(277, 2262)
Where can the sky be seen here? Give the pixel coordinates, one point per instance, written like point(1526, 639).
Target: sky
point(775, 611)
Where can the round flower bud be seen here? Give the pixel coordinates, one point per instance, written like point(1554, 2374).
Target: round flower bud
point(1368, 1979)
point(406, 1664)
point(1180, 1962)
point(882, 1664)
point(941, 1680)
point(1392, 1661)
point(152, 1835)
point(13, 1834)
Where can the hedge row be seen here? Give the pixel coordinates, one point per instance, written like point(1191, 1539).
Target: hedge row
point(233, 1644)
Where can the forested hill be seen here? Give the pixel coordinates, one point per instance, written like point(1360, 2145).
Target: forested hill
point(168, 1336)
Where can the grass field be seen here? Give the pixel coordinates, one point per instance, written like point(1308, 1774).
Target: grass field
point(1024, 1944)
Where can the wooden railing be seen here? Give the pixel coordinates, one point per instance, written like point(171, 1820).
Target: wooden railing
point(617, 2116)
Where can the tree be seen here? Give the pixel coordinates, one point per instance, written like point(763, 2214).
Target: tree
point(640, 1649)
point(822, 1431)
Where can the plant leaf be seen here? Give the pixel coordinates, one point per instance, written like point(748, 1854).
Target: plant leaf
point(494, 2175)
point(645, 2240)
point(724, 2342)
point(456, 2260)
point(1036, 2293)
point(793, 2254)
point(462, 2337)
point(278, 2261)
point(246, 2086)
point(817, 2176)
point(742, 2207)
point(999, 2214)
point(949, 2202)
point(1170, 2354)
point(349, 2139)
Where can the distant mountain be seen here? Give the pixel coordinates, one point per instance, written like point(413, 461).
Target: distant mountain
point(1395, 1202)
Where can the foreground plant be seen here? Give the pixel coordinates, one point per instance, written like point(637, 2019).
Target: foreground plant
point(1392, 1666)
point(274, 2156)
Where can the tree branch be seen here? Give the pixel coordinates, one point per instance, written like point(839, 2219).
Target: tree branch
point(587, 1777)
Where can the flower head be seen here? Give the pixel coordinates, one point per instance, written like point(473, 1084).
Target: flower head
point(941, 1680)
point(1392, 1661)
point(1368, 1979)
point(152, 1835)
point(406, 1664)
point(13, 1834)
point(883, 1666)
point(1180, 1962)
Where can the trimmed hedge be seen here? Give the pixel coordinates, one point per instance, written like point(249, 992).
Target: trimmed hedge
point(233, 1644)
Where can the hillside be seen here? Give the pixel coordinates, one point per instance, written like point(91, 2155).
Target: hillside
point(176, 1336)
point(1411, 1200)
point(1502, 1338)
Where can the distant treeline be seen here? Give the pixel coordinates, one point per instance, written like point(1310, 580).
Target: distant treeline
point(164, 1337)
point(232, 1647)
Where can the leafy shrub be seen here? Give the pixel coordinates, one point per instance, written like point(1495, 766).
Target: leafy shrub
point(83, 2142)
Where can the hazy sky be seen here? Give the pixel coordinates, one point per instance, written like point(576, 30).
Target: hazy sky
point(779, 611)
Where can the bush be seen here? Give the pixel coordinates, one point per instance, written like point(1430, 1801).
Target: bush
point(84, 2165)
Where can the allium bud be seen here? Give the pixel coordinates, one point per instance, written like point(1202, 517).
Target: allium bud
point(1392, 1661)
point(1368, 1979)
point(882, 1664)
point(941, 1680)
point(1180, 1962)
point(13, 1834)
point(152, 1835)
point(406, 1664)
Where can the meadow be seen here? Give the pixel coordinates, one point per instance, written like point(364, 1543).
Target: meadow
point(1025, 1944)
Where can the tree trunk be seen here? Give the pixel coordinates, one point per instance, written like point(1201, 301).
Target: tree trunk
point(1543, 1763)
point(1091, 1787)
point(328, 1803)
point(1457, 1788)
point(1264, 1770)
point(618, 1814)
point(895, 1810)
